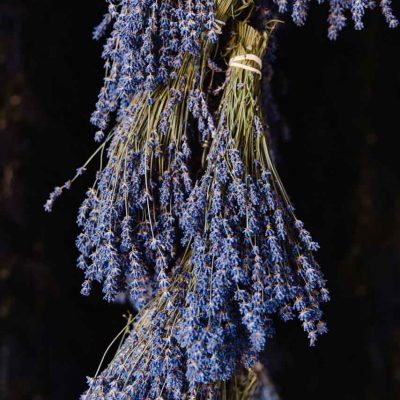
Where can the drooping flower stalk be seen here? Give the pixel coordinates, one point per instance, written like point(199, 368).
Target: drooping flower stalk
point(338, 12)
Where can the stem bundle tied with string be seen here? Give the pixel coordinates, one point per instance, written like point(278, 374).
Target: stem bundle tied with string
point(247, 258)
point(251, 257)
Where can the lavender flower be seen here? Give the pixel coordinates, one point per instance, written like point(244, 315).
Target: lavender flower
point(151, 363)
point(338, 11)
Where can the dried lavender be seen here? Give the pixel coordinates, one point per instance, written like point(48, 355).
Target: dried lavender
point(247, 259)
point(145, 47)
point(129, 218)
point(150, 363)
point(251, 257)
point(206, 316)
point(339, 10)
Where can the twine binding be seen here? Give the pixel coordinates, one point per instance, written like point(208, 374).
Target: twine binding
point(235, 62)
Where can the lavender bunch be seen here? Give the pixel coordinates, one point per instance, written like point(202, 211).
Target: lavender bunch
point(150, 363)
point(129, 218)
point(247, 259)
point(338, 11)
point(146, 46)
point(251, 257)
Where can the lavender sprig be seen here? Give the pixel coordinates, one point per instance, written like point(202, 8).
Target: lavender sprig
point(339, 12)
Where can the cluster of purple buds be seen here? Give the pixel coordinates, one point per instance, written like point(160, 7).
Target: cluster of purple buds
point(253, 261)
point(149, 364)
point(128, 219)
point(130, 216)
point(145, 47)
point(238, 276)
point(338, 11)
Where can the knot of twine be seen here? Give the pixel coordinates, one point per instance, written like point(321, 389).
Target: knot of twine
point(235, 62)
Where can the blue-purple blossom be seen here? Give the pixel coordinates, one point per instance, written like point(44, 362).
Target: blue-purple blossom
point(128, 220)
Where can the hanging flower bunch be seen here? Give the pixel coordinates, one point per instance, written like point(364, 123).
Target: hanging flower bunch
point(129, 217)
point(251, 256)
point(146, 47)
point(247, 259)
point(188, 214)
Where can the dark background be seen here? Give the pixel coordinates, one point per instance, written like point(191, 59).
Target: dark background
point(339, 158)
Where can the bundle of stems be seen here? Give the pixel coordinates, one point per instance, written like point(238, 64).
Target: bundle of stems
point(210, 266)
point(191, 338)
point(129, 218)
point(145, 47)
point(251, 257)
point(149, 363)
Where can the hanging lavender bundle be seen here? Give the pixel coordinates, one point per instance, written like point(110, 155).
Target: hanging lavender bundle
point(210, 266)
point(145, 47)
point(150, 363)
point(247, 259)
point(128, 220)
point(251, 257)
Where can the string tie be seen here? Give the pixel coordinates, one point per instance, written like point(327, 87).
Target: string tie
point(235, 62)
